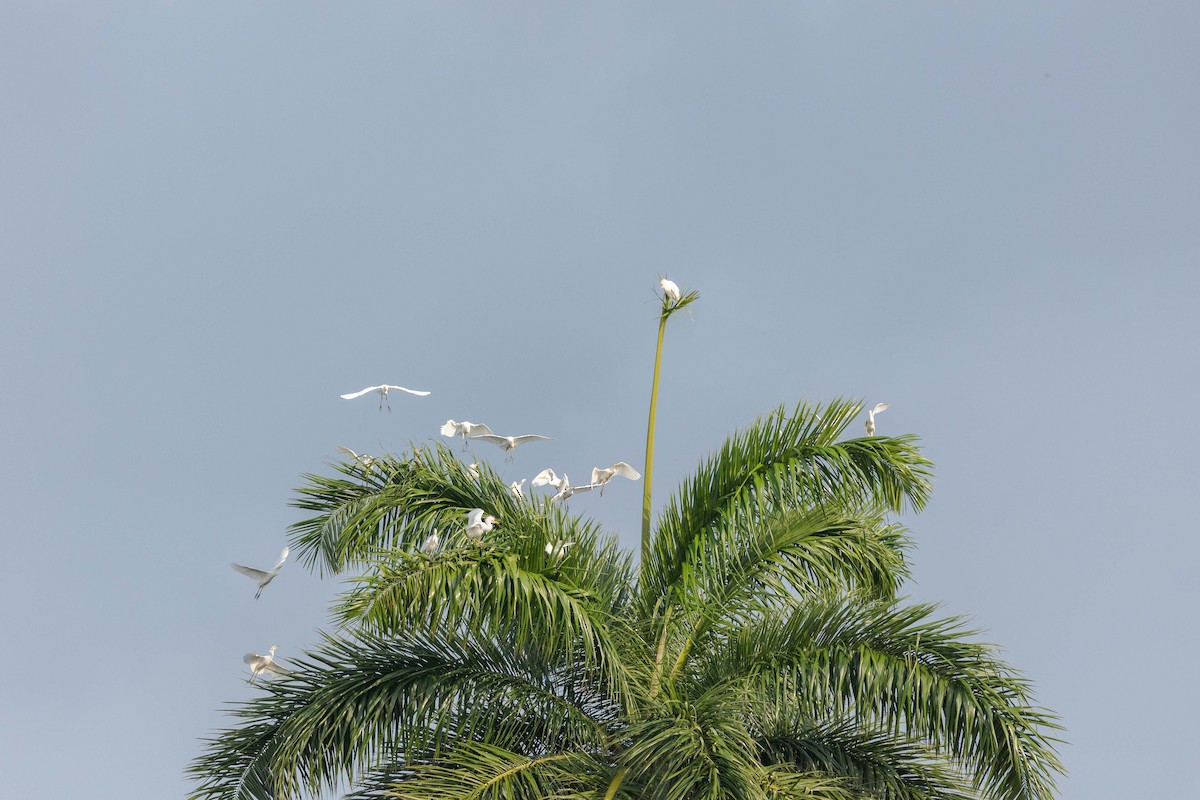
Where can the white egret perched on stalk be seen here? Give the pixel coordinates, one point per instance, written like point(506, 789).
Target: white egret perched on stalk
point(871, 417)
point(670, 289)
point(260, 664)
point(259, 575)
point(383, 394)
point(515, 488)
point(510, 443)
point(467, 430)
point(473, 470)
point(431, 544)
point(602, 475)
point(478, 524)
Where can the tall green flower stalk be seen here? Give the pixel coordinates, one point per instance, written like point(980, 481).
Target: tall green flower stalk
point(672, 302)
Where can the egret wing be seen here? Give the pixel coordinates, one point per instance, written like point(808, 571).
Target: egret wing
point(544, 477)
point(353, 395)
point(530, 437)
point(879, 407)
point(417, 392)
point(493, 438)
point(479, 429)
point(251, 658)
point(450, 428)
point(474, 517)
point(282, 558)
point(278, 670)
point(257, 574)
point(625, 471)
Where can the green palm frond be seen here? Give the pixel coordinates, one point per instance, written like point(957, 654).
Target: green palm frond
point(780, 562)
point(874, 764)
point(902, 670)
point(783, 463)
point(483, 771)
point(365, 700)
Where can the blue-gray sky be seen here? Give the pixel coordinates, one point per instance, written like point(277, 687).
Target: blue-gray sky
point(217, 217)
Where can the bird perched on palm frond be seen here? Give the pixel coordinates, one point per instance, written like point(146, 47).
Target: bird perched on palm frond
point(871, 417)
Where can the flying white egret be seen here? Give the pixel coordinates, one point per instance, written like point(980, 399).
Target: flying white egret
point(467, 430)
point(515, 488)
point(431, 544)
point(558, 550)
point(383, 394)
point(545, 477)
point(563, 484)
point(263, 578)
point(478, 524)
point(260, 664)
point(510, 443)
point(602, 475)
point(871, 417)
point(670, 289)
point(361, 458)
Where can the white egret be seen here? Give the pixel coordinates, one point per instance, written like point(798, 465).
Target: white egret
point(467, 430)
point(260, 664)
point(478, 524)
point(473, 470)
point(563, 484)
point(670, 289)
point(602, 475)
point(431, 544)
point(545, 477)
point(558, 550)
point(515, 488)
point(871, 417)
point(361, 458)
point(263, 578)
point(383, 394)
point(510, 443)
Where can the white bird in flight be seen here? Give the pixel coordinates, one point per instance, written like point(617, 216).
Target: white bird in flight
point(478, 524)
point(467, 430)
point(263, 578)
point(515, 488)
point(260, 664)
point(871, 417)
point(361, 458)
point(670, 289)
point(431, 544)
point(602, 475)
point(510, 443)
point(563, 484)
point(383, 394)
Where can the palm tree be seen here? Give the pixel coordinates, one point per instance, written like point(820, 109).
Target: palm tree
point(757, 650)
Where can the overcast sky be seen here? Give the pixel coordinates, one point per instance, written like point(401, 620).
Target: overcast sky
point(216, 217)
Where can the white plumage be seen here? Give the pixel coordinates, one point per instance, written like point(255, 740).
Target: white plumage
point(478, 524)
point(259, 575)
point(602, 475)
point(871, 417)
point(670, 289)
point(383, 393)
point(260, 664)
point(467, 430)
point(510, 443)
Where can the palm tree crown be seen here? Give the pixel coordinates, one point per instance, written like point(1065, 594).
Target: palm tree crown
point(757, 650)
